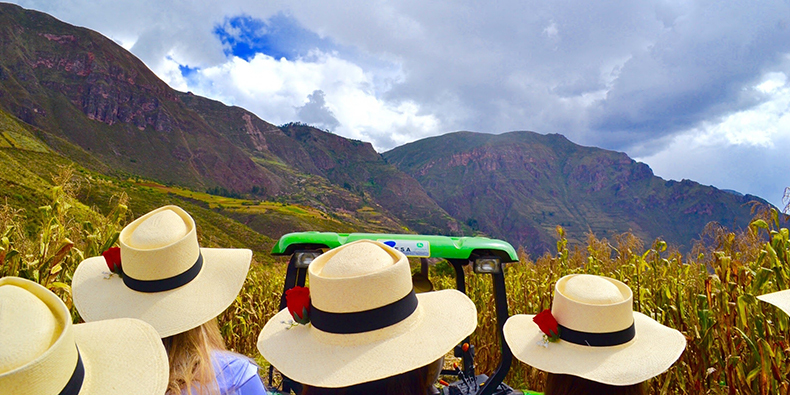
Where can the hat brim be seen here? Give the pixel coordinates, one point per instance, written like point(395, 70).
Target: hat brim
point(169, 312)
point(654, 349)
point(123, 357)
point(780, 299)
point(321, 359)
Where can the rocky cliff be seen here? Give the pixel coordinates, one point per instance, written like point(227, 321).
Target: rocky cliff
point(519, 186)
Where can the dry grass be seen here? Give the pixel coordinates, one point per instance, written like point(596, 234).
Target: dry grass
point(735, 344)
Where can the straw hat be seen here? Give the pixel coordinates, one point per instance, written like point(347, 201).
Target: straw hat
point(168, 280)
point(780, 299)
point(42, 353)
point(601, 338)
point(366, 321)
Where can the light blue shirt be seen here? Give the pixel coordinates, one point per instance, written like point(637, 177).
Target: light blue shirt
point(236, 374)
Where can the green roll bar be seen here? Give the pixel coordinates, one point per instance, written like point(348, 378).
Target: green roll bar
point(491, 254)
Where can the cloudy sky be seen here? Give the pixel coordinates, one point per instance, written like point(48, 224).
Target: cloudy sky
point(696, 89)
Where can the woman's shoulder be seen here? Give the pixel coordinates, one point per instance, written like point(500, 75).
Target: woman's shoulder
point(230, 358)
point(233, 370)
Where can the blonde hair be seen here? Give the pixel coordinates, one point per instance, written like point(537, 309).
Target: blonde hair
point(189, 352)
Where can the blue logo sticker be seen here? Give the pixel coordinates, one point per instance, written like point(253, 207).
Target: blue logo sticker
point(412, 248)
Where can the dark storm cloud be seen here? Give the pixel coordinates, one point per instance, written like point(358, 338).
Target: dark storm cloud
point(700, 69)
point(316, 113)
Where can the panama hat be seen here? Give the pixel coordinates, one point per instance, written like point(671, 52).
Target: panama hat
point(601, 338)
point(42, 353)
point(167, 280)
point(366, 322)
point(780, 299)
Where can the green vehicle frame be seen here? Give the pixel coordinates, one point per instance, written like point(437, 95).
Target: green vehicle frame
point(487, 257)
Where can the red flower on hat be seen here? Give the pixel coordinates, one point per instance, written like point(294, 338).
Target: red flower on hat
point(298, 301)
point(113, 258)
point(548, 325)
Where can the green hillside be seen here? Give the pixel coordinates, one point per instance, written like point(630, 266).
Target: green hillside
point(29, 171)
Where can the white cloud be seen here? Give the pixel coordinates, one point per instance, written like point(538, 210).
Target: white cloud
point(352, 95)
point(170, 72)
point(745, 151)
point(762, 125)
point(551, 30)
point(772, 82)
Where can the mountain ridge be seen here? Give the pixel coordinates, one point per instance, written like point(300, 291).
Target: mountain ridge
point(527, 183)
point(90, 101)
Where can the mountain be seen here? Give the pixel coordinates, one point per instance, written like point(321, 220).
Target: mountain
point(345, 173)
point(80, 86)
point(94, 103)
point(519, 186)
point(71, 97)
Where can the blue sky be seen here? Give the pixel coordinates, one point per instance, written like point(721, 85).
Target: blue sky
point(696, 89)
point(279, 36)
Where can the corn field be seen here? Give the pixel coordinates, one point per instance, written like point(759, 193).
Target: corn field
point(736, 345)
